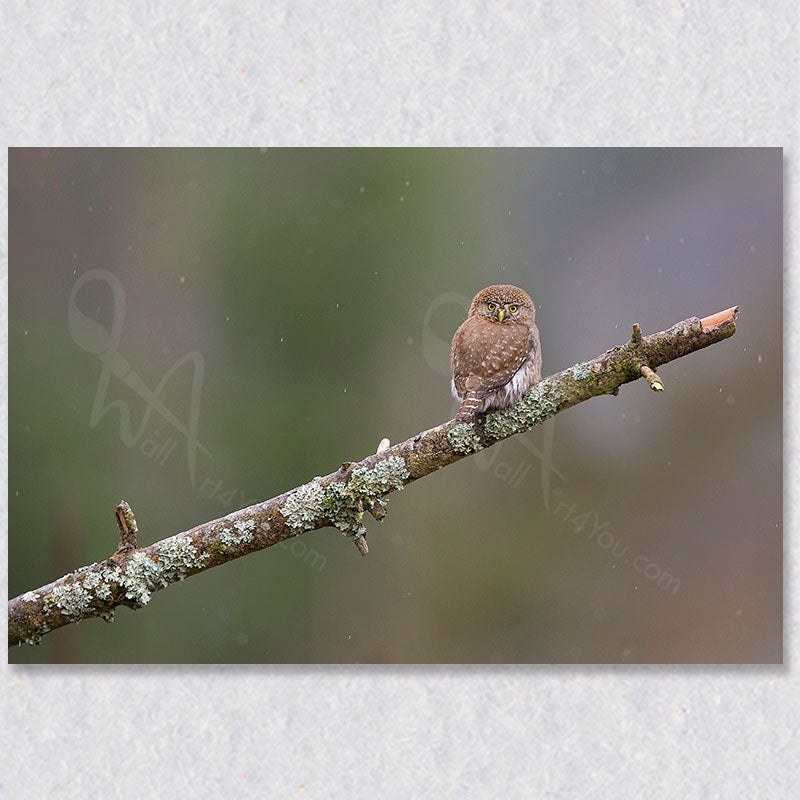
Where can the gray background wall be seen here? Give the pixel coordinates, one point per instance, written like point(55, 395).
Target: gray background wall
point(615, 74)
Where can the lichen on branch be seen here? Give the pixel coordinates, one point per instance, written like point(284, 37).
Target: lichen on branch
point(131, 575)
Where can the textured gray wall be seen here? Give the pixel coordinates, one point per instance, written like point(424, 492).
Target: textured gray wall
point(616, 73)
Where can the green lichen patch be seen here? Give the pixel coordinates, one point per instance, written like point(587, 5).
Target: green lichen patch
point(342, 503)
point(177, 557)
point(540, 402)
point(463, 438)
point(70, 598)
point(305, 506)
point(142, 574)
point(140, 577)
point(343, 511)
point(78, 597)
point(581, 371)
point(243, 534)
point(347, 501)
point(30, 597)
point(386, 476)
point(93, 582)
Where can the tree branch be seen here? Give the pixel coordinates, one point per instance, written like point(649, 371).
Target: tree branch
point(340, 499)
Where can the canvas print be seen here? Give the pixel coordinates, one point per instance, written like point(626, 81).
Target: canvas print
point(391, 406)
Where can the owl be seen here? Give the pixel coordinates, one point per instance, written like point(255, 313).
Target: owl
point(495, 355)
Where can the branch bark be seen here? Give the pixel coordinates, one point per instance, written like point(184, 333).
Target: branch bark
point(131, 574)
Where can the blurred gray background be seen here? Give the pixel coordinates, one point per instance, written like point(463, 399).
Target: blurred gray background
point(318, 290)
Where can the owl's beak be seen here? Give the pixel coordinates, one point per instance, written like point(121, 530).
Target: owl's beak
point(501, 314)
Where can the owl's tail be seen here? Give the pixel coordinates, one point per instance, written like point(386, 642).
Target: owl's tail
point(469, 406)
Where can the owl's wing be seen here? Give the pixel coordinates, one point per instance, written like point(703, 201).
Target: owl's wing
point(487, 354)
point(536, 351)
point(507, 351)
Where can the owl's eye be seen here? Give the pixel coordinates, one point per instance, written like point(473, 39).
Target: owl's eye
point(491, 306)
point(512, 309)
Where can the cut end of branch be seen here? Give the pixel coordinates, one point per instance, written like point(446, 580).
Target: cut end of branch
point(652, 378)
point(383, 446)
point(636, 337)
point(720, 318)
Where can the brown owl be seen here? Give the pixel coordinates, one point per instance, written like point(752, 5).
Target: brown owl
point(495, 355)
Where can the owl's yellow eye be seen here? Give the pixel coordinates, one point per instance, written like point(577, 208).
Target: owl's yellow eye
point(512, 309)
point(491, 306)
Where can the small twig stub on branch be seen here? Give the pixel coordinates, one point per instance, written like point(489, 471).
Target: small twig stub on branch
point(652, 378)
point(128, 529)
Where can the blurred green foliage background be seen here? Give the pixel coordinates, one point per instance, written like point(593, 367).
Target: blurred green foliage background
point(320, 288)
